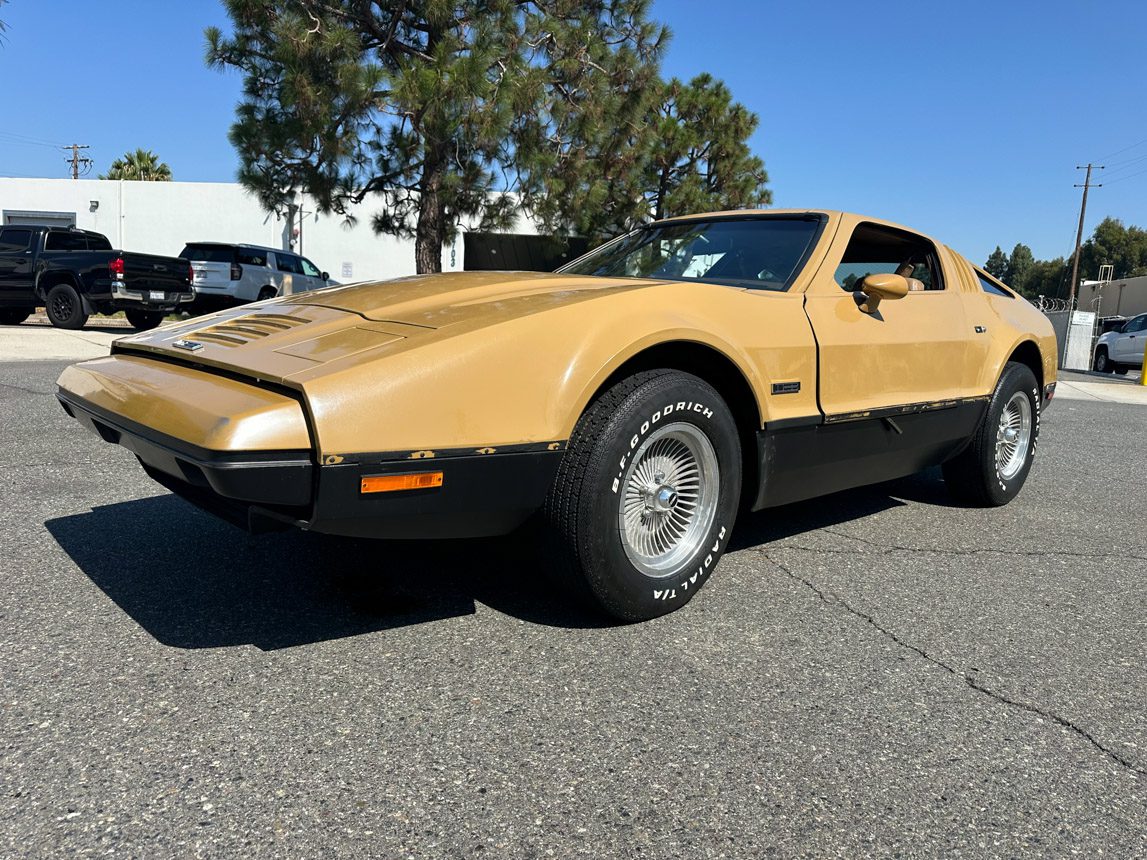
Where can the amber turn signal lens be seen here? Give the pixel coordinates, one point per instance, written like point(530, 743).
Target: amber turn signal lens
point(391, 483)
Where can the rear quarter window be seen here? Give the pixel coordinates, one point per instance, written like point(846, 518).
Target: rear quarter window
point(990, 286)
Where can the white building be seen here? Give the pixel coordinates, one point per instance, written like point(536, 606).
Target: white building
point(1123, 297)
point(162, 217)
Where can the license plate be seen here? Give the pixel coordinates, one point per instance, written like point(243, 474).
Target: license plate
point(156, 296)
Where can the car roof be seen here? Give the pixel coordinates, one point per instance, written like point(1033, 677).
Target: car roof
point(766, 213)
point(247, 245)
point(52, 228)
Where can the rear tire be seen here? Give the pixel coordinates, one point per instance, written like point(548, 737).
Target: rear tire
point(645, 498)
point(14, 316)
point(64, 307)
point(267, 293)
point(144, 320)
point(994, 466)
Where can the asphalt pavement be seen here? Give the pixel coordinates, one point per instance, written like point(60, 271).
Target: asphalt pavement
point(874, 674)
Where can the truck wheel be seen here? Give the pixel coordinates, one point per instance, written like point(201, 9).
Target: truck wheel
point(144, 320)
point(1102, 363)
point(644, 500)
point(14, 316)
point(65, 310)
point(267, 293)
point(994, 466)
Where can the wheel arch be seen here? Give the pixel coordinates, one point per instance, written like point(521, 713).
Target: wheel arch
point(1027, 353)
point(47, 280)
point(714, 367)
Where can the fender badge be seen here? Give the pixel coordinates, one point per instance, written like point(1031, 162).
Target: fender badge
point(189, 345)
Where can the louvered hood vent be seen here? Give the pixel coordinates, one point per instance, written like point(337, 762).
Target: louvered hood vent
point(247, 328)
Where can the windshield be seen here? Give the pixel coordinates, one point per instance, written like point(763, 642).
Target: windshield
point(761, 253)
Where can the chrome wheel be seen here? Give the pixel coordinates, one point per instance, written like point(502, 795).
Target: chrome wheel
point(670, 499)
point(1013, 436)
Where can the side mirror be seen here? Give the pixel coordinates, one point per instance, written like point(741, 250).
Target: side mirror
point(325, 276)
point(873, 288)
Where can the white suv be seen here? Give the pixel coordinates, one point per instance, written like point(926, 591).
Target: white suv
point(1117, 350)
point(247, 273)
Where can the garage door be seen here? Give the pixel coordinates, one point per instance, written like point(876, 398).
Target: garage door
point(46, 219)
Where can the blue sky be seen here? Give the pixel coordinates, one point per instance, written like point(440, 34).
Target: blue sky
point(964, 120)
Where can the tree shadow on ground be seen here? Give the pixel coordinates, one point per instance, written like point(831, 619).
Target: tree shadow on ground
point(192, 581)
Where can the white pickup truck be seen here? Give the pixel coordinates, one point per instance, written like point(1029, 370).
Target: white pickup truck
point(1122, 348)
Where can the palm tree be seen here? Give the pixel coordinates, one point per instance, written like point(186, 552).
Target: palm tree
point(143, 164)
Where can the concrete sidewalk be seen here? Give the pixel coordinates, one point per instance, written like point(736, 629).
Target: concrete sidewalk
point(42, 343)
point(1105, 392)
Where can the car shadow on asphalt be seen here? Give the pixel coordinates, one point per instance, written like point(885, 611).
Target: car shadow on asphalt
point(773, 524)
point(193, 581)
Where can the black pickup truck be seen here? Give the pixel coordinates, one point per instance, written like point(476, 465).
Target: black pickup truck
point(75, 273)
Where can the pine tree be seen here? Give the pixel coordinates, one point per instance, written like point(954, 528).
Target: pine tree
point(418, 101)
point(997, 264)
point(700, 159)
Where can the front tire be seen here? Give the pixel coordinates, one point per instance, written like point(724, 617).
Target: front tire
point(144, 320)
point(64, 307)
point(1102, 363)
point(994, 466)
point(645, 498)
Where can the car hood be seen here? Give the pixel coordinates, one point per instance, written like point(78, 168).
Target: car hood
point(434, 301)
point(285, 340)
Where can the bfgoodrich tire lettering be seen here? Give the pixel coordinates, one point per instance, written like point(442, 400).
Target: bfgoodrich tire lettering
point(643, 504)
point(994, 466)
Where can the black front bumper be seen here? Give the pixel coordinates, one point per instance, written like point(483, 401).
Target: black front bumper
point(481, 494)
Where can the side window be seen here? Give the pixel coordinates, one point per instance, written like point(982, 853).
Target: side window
point(96, 242)
point(1137, 324)
point(309, 268)
point(988, 286)
point(57, 241)
point(876, 250)
point(14, 241)
point(287, 263)
point(252, 257)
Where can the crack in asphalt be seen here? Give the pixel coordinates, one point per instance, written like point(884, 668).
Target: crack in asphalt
point(882, 549)
point(25, 390)
point(835, 600)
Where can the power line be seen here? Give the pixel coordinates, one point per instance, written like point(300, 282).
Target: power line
point(77, 160)
point(1118, 151)
point(37, 140)
point(1128, 176)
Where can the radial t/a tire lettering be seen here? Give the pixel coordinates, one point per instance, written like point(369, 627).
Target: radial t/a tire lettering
point(993, 467)
point(644, 501)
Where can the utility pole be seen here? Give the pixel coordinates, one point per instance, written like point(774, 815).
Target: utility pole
point(1079, 233)
point(76, 160)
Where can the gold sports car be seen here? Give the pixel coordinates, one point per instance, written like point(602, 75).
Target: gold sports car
point(634, 400)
